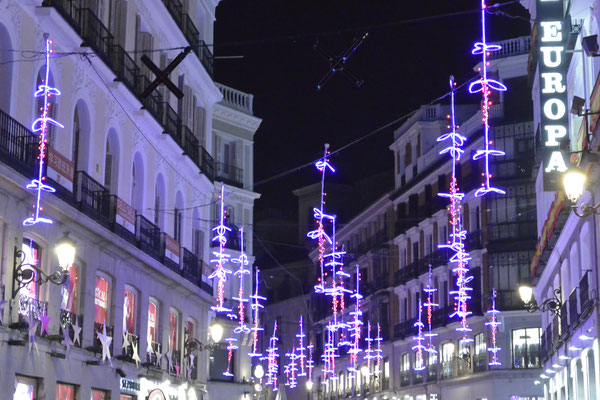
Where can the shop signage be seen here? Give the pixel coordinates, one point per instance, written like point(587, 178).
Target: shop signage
point(129, 385)
point(125, 215)
point(553, 34)
point(156, 394)
point(60, 169)
point(171, 249)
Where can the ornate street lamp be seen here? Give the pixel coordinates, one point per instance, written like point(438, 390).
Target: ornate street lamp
point(574, 184)
point(216, 333)
point(553, 304)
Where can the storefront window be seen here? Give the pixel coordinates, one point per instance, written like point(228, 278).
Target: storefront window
point(99, 394)
point(101, 301)
point(25, 388)
point(129, 311)
point(65, 392)
point(173, 329)
point(69, 291)
point(526, 348)
point(152, 320)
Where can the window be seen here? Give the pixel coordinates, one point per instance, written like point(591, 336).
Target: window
point(507, 269)
point(407, 155)
point(218, 364)
point(129, 305)
point(386, 374)
point(101, 299)
point(197, 242)
point(398, 162)
point(69, 291)
point(517, 205)
point(526, 348)
point(480, 345)
point(65, 391)
point(25, 388)
point(152, 320)
point(405, 363)
point(415, 251)
point(447, 357)
point(174, 329)
point(99, 394)
point(177, 225)
point(33, 255)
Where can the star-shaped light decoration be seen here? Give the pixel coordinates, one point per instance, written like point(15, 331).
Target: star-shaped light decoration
point(159, 357)
point(169, 355)
point(45, 320)
point(105, 340)
point(126, 342)
point(76, 332)
point(33, 324)
point(136, 357)
point(2, 305)
point(149, 349)
point(67, 339)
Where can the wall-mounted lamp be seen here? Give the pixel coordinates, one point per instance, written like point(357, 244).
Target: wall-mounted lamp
point(574, 184)
point(552, 304)
point(216, 333)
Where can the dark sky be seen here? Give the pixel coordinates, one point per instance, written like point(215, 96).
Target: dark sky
point(403, 65)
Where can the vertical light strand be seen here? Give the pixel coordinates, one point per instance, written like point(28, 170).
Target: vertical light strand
point(272, 357)
point(494, 324)
point(319, 234)
point(231, 346)
point(220, 272)
point(378, 351)
point(460, 257)
point(242, 260)
point(485, 85)
point(430, 290)
point(419, 347)
point(301, 349)
point(41, 125)
point(256, 308)
point(310, 364)
point(369, 350)
point(356, 325)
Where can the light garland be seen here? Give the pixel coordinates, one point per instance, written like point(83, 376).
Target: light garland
point(485, 85)
point(256, 328)
point(291, 369)
point(430, 290)
point(494, 324)
point(356, 326)
point(457, 235)
point(242, 260)
point(230, 348)
point(310, 364)
point(419, 347)
point(41, 125)
point(369, 350)
point(378, 351)
point(221, 258)
point(272, 357)
point(337, 290)
point(301, 348)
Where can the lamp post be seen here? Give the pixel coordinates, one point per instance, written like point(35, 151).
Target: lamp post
point(309, 388)
point(193, 344)
point(553, 304)
point(574, 184)
point(25, 273)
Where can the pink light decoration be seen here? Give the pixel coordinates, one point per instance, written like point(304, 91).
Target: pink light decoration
point(430, 290)
point(230, 347)
point(301, 348)
point(221, 258)
point(355, 326)
point(369, 351)
point(310, 364)
point(378, 351)
point(457, 235)
point(494, 324)
point(329, 354)
point(242, 260)
point(256, 328)
point(485, 85)
point(41, 125)
point(291, 369)
point(319, 234)
point(419, 347)
point(337, 291)
point(272, 357)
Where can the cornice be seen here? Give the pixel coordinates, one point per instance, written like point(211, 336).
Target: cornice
point(236, 118)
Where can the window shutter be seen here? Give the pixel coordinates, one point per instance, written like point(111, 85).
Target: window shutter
point(120, 21)
point(199, 125)
point(108, 171)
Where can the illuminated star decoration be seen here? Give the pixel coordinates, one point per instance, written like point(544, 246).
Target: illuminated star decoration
point(191, 366)
point(355, 326)
point(231, 346)
point(430, 290)
point(221, 258)
point(256, 328)
point(378, 351)
point(485, 85)
point(41, 125)
point(242, 260)
point(272, 357)
point(105, 341)
point(76, 332)
point(301, 348)
point(419, 347)
point(33, 324)
point(319, 234)
point(460, 258)
point(136, 356)
point(2, 305)
point(369, 350)
point(493, 324)
point(45, 320)
point(177, 369)
point(149, 349)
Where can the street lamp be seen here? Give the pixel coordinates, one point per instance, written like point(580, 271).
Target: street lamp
point(193, 344)
point(309, 385)
point(259, 371)
point(24, 273)
point(574, 184)
point(552, 304)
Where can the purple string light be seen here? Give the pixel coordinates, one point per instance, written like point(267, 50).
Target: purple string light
point(419, 347)
point(221, 258)
point(494, 324)
point(256, 328)
point(430, 290)
point(242, 260)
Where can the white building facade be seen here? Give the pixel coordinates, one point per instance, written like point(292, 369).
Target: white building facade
point(135, 180)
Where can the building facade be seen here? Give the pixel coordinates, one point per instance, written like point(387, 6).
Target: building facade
point(136, 177)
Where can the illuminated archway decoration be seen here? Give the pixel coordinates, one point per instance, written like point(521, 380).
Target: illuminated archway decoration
point(41, 125)
point(485, 85)
point(242, 260)
point(220, 272)
point(494, 324)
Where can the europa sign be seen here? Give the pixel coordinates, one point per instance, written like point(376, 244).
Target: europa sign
point(552, 39)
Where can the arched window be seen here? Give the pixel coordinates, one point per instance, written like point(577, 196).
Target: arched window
point(137, 183)
point(80, 143)
point(111, 163)
point(174, 321)
point(102, 297)
point(177, 219)
point(6, 68)
point(160, 206)
point(129, 309)
point(575, 265)
point(197, 235)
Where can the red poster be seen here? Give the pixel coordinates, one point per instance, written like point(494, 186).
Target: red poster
point(101, 300)
point(69, 291)
point(173, 330)
point(128, 311)
point(152, 322)
point(65, 392)
point(30, 251)
point(190, 329)
point(99, 395)
point(125, 397)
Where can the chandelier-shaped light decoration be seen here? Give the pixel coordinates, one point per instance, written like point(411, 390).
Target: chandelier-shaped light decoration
point(256, 308)
point(242, 260)
point(419, 347)
point(319, 234)
point(430, 290)
point(272, 359)
point(378, 351)
point(368, 357)
point(301, 349)
point(220, 272)
point(41, 125)
point(355, 326)
point(460, 257)
point(231, 346)
point(493, 324)
point(485, 85)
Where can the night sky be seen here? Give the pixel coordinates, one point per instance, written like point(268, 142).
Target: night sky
point(403, 65)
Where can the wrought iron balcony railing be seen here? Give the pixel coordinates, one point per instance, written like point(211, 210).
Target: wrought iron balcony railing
point(230, 174)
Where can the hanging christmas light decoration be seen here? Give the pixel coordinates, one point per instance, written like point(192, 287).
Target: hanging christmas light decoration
point(272, 357)
point(493, 324)
point(291, 369)
point(355, 326)
point(231, 346)
point(220, 272)
point(430, 290)
point(301, 349)
point(310, 364)
point(337, 289)
point(329, 354)
point(378, 351)
point(319, 234)
point(256, 307)
point(419, 347)
point(242, 260)
point(485, 85)
point(41, 125)
point(460, 258)
point(369, 350)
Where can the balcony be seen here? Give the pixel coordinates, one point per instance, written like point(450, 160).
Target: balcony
point(148, 237)
point(509, 300)
point(229, 174)
point(92, 198)
point(404, 329)
point(151, 357)
point(447, 369)
point(236, 99)
point(480, 362)
point(512, 47)
point(512, 231)
point(67, 320)
point(127, 352)
point(99, 328)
